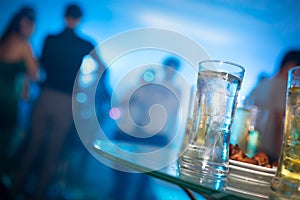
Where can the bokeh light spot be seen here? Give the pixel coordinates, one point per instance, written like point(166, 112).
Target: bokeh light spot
point(149, 76)
point(88, 65)
point(115, 113)
point(81, 97)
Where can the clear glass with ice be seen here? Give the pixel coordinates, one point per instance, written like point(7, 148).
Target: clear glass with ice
point(206, 153)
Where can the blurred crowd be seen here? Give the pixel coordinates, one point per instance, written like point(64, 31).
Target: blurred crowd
point(39, 144)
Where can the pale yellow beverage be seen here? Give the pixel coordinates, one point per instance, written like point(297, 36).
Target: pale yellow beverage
point(287, 179)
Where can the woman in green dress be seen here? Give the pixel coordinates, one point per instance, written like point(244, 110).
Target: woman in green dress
point(16, 59)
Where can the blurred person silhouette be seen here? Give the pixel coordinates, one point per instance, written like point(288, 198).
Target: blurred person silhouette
point(151, 92)
point(174, 86)
point(262, 77)
point(146, 124)
point(52, 119)
point(270, 94)
point(17, 62)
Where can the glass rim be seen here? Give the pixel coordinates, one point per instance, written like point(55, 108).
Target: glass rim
point(291, 70)
point(224, 61)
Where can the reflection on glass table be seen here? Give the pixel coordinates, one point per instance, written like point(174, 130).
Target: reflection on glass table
point(243, 182)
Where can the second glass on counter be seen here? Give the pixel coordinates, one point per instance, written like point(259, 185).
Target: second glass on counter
point(248, 126)
point(241, 123)
point(206, 156)
point(286, 183)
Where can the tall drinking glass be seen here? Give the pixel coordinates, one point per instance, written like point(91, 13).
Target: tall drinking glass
point(207, 151)
point(241, 123)
point(287, 179)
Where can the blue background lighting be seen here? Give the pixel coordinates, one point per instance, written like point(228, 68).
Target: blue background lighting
point(254, 34)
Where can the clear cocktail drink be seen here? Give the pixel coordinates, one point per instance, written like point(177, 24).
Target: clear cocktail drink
point(207, 152)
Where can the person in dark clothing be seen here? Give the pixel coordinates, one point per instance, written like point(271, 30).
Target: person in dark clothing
point(61, 59)
point(17, 64)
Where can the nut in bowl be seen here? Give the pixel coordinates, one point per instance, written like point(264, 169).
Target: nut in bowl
point(260, 159)
point(257, 169)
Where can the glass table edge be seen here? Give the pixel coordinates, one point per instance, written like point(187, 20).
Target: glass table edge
point(231, 193)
